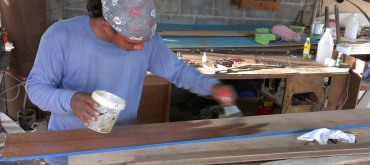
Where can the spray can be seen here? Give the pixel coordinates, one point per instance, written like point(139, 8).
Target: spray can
point(306, 49)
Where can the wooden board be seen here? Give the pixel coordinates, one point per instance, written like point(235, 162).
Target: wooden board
point(256, 143)
point(208, 33)
point(260, 73)
point(9, 125)
point(353, 89)
point(268, 58)
point(254, 155)
point(258, 4)
point(85, 141)
point(333, 160)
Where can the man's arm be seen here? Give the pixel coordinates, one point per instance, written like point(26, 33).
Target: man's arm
point(46, 74)
point(164, 63)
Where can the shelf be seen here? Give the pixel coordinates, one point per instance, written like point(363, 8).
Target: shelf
point(257, 4)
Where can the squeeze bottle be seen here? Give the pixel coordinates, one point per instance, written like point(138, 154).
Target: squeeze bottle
point(306, 49)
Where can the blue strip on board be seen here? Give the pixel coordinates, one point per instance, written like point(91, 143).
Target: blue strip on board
point(184, 142)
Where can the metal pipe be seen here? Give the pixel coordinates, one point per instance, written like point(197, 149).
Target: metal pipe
point(326, 17)
point(337, 22)
point(313, 17)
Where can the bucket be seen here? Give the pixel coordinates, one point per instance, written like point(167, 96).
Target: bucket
point(109, 107)
point(26, 117)
point(318, 28)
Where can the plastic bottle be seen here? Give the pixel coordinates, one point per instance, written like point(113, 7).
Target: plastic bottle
point(352, 27)
point(325, 47)
point(339, 59)
point(204, 58)
point(306, 49)
point(333, 27)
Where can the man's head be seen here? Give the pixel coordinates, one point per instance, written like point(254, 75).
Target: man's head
point(128, 23)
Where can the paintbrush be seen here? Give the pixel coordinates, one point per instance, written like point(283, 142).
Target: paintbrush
point(230, 111)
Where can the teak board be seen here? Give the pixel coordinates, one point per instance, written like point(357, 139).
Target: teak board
point(84, 141)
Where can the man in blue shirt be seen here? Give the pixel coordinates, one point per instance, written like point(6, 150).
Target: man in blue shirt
point(111, 49)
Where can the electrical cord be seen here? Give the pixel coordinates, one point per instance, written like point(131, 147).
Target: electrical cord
point(347, 88)
point(21, 83)
point(208, 112)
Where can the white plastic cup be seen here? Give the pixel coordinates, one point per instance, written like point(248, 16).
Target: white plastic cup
point(318, 27)
point(110, 107)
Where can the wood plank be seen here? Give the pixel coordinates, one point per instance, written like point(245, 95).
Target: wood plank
point(9, 125)
point(256, 143)
point(353, 89)
point(281, 58)
point(68, 142)
point(208, 33)
point(333, 160)
point(254, 155)
point(262, 73)
point(257, 4)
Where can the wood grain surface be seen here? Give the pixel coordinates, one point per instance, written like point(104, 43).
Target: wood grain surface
point(71, 142)
point(221, 157)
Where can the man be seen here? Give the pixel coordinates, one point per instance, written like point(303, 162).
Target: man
point(108, 50)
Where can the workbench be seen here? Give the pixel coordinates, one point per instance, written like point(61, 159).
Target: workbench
point(302, 76)
point(228, 140)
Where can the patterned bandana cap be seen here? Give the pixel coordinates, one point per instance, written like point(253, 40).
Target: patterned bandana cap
point(134, 19)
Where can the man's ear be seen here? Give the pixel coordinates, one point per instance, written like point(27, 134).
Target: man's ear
point(106, 26)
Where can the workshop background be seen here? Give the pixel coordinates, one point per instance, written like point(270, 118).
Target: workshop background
point(26, 26)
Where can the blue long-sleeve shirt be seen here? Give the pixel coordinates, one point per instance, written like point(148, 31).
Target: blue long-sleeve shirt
point(71, 58)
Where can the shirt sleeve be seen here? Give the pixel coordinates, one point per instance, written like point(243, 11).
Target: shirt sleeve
point(43, 82)
point(164, 63)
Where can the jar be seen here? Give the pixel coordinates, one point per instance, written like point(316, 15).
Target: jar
point(333, 27)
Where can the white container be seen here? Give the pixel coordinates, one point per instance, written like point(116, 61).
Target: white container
point(110, 107)
point(318, 28)
point(325, 47)
point(332, 27)
point(352, 28)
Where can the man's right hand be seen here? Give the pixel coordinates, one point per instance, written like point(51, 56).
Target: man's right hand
point(83, 106)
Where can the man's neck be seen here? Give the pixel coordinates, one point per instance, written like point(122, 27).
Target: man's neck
point(97, 28)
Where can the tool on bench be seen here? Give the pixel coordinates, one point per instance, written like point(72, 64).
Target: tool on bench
point(230, 111)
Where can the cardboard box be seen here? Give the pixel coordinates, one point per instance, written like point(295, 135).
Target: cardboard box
point(264, 106)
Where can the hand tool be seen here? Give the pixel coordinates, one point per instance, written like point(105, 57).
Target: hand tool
point(230, 111)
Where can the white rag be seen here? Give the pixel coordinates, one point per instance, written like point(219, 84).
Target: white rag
point(323, 134)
